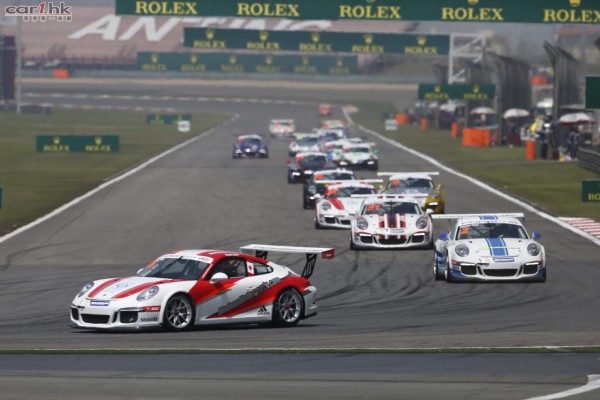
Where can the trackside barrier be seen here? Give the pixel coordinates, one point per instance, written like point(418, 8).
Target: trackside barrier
point(402, 119)
point(454, 130)
point(530, 150)
point(423, 124)
point(476, 137)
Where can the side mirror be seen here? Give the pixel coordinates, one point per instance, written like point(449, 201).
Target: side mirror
point(218, 277)
point(443, 236)
point(536, 236)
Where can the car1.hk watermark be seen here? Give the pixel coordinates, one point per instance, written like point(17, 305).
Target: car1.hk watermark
point(45, 11)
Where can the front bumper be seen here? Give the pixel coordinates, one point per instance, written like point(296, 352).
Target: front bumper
point(362, 164)
point(530, 271)
point(334, 221)
point(417, 239)
point(111, 317)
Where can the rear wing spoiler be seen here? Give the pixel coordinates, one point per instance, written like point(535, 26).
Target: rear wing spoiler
point(380, 196)
point(407, 174)
point(483, 217)
point(262, 251)
point(338, 182)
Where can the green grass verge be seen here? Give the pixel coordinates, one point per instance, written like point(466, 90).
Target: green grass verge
point(37, 183)
point(548, 184)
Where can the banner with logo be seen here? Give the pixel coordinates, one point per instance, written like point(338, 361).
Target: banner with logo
point(456, 92)
point(316, 42)
point(496, 11)
point(77, 144)
point(244, 63)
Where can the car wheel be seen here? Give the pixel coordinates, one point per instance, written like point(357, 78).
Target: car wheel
point(438, 276)
point(352, 245)
point(290, 180)
point(179, 313)
point(447, 274)
point(288, 308)
point(317, 224)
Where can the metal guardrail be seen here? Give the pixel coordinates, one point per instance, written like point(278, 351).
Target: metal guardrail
point(589, 158)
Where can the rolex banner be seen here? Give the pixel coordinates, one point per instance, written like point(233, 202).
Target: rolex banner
point(77, 144)
point(456, 92)
point(497, 11)
point(244, 63)
point(319, 42)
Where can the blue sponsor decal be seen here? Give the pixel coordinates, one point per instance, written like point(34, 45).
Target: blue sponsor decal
point(497, 247)
point(503, 260)
point(488, 218)
point(99, 303)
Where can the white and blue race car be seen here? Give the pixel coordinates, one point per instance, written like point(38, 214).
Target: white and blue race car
point(488, 247)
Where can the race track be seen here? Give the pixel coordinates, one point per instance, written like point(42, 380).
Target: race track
point(199, 197)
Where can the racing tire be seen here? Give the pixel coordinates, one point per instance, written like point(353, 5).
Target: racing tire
point(179, 314)
point(288, 308)
point(438, 276)
point(317, 224)
point(447, 275)
point(290, 180)
point(353, 246)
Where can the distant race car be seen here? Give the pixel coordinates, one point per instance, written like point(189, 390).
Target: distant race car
point(324, 110)
point(303, 166)
point(335, 149)
point(282, 127)
point(312, 191)
point(488, 247)
point(418, 185)
point(246, 146)
point(202, 287)
point(338, 207)
point(359, 156)
point(303, 142)
point(391, 222)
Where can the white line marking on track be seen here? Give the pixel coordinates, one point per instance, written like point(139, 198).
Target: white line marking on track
point(593, 384)
point(481, 184)
point(111, 182)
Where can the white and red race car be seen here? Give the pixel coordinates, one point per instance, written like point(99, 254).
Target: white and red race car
point(282, 127)
point(391, 222)
point(339, 204)
point(201, 287)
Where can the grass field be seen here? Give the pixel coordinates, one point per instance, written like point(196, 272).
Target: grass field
point(548, 184)
point(37, 183)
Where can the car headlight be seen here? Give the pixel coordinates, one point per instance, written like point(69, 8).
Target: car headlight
point(362, 223)
point(533, 249)
point(147, 294)
point(326, 206)
point(422, 222)
point(312, 190)
point(461, 250)
point(85, 289)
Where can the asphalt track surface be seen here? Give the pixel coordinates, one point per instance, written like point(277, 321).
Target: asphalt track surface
point(199, 197)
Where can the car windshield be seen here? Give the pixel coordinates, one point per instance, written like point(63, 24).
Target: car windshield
point(307, 141)
point(312, 159)
point(251, 141)
point(335, 176)
point(360, 150)
point(174, 268)
point(410, 185)
point(491, 231)
point(392, 207)
point(335, 193)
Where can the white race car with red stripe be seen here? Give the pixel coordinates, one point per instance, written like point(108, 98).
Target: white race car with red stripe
point(391, 222)
point(200, 287)
point(339, 204)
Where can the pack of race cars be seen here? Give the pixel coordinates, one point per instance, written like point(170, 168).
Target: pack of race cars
point(182, 289)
